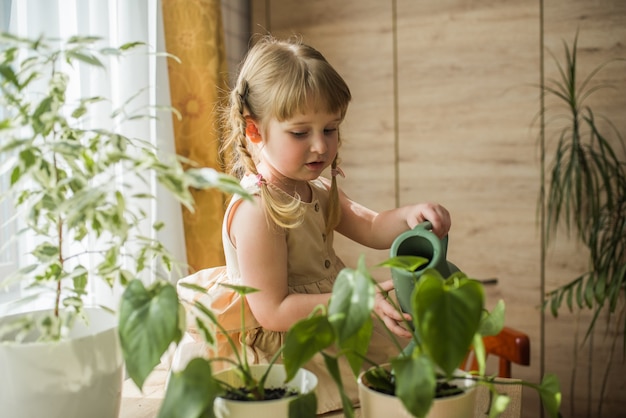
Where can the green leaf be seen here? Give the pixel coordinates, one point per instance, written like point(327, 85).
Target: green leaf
point(86, 58)
point(241, 290)
point(352, 301)
point(446, 315)
point(148, 324)
point(7, 73)
point(332, 365)
point(550, 393)
point(499, 403)
point(191, 393)
point(46, 251)
point(303, 340)
point(408, 263)
point(303, 406)
point(493, 322)
point(415, 383)
point(355, 347)
point(130, 45)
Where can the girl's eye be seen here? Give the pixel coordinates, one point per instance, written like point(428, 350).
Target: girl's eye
point(330, 131)
point(299, 134)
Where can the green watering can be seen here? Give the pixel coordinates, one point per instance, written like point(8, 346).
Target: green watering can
point(422, 242)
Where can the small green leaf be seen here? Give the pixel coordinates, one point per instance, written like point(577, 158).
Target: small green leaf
point(415, 383)
point(550, 393)
point(332, 365)
point(46, 251)
point(499, 403)
point(130, 45)
point(408, 263)
point(493, 322)
point(86, 58)
point(303, 406)
point(303, 340)
point(352, 301)
point(241, 290)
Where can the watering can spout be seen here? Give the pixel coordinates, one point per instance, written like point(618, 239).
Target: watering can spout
point(421, 242)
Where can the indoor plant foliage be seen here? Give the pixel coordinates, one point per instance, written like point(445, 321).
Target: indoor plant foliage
point(449, 319)
point(194, 391)
point(587, 195)
point(71, 180)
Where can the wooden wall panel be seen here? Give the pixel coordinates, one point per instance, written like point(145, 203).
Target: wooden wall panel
point(465, 108)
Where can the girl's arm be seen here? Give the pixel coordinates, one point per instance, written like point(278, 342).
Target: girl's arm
point(378, 230)
point(262, 257)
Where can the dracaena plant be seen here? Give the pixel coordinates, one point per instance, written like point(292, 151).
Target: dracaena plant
point(78, 185)
point(586, 195)
point(448, 319)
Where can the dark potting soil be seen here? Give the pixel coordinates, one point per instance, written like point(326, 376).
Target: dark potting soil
point(270, 394)
point(443, 389)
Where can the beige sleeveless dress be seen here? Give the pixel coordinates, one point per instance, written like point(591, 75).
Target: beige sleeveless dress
point(313, 267)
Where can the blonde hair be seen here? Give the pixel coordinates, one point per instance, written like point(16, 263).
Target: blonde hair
point(276, 80)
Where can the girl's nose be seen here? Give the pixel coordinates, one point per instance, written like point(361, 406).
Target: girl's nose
point(318, 143)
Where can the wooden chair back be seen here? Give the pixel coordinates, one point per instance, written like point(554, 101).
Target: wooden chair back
point(510, 345)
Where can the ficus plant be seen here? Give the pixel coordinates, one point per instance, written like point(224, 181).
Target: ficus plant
point(78, 186)
point(448, 319)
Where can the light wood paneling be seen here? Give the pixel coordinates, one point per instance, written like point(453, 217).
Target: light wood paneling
point(465, 107)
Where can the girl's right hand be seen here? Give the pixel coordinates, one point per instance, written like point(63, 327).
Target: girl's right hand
point(393, 319)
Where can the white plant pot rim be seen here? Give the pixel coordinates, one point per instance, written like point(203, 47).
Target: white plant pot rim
point(304, 382)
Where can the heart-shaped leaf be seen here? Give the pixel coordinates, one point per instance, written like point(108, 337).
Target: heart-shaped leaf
point(150, 320)
point(446, 315)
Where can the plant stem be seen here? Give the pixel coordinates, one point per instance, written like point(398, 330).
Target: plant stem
point(57, 301)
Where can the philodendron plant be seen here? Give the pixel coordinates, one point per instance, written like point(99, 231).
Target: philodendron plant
point(448, 319)
point(191, 392)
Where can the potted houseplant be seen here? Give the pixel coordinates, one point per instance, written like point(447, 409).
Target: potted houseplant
point(448, 319)
point(70, 180)
point(243, 389)
point(586, 196)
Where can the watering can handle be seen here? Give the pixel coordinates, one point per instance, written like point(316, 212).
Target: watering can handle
point(424, 225)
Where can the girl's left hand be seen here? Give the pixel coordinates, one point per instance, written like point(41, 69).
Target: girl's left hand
point(390, 316)
point(438, 216)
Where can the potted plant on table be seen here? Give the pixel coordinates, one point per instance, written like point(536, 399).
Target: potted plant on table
point(240, 389)
point(70, 180)
point(448, 319)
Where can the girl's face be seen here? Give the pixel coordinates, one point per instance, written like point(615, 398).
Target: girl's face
point(300, 148)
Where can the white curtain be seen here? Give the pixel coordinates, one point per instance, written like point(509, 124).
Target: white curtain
point(117, 22)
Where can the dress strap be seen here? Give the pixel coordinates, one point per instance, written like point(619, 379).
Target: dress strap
point(231, 214)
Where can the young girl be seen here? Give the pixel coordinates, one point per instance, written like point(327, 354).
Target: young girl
point(282, 132)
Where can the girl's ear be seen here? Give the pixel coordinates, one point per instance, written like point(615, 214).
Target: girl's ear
point(252, 132)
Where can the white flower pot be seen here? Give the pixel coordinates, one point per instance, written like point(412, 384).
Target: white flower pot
point(375, 404)
point(304, 382)
point(78, 377)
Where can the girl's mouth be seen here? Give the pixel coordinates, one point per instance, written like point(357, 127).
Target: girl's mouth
point(317, 165)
